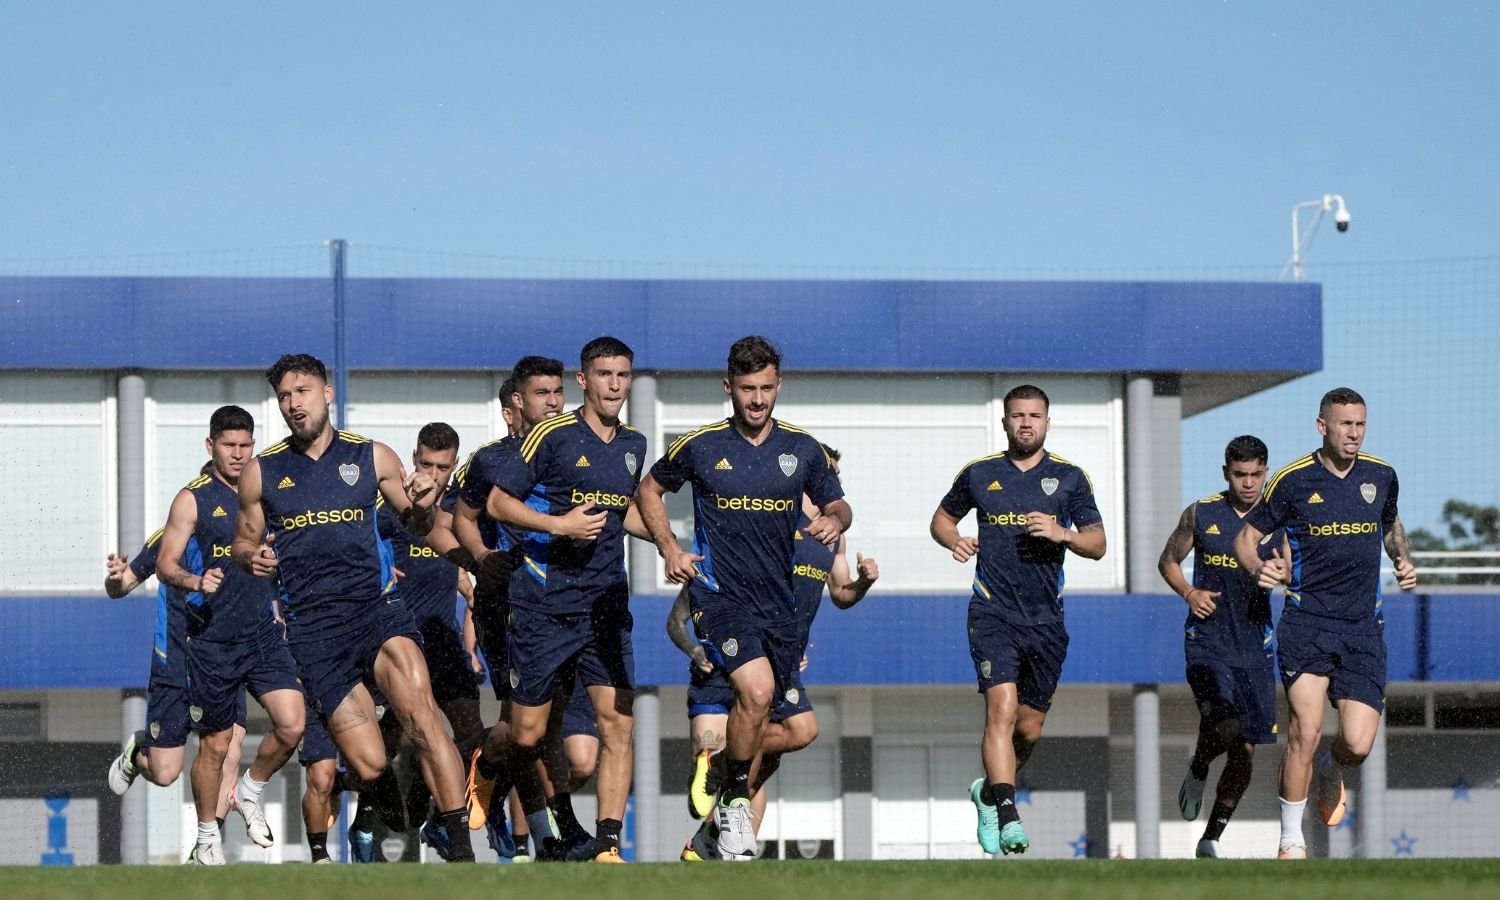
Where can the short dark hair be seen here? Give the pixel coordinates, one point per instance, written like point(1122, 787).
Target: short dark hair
point(507, 390)
point(1246, 448)
point(1339, 396)
point(1026, 392)
point(301, 363)
point(529, 367)
point(229, 418)
point(438, 436)
point(751, 354)
point(832, 453)
point(602, 348)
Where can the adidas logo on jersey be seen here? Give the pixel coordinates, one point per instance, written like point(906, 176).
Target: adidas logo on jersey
point(723, 465)
point(219, 512)
point(797, 535)
point(286, 482)
point(583, 463)
point(994, 486)
point(1315, 498)
point(1212, 529)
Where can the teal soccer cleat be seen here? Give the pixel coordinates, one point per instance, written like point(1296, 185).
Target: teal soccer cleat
point(989, 820)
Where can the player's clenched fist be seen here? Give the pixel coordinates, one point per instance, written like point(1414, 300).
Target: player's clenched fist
point(421, 490)
point(964, 548)
point(681, 566)
point(264, 563)
point(211, 580)
point(581, 523)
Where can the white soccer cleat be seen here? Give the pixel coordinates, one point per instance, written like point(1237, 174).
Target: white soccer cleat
point(122, 772)
point(256, 826)
point(1190, 796)
point(736, 830)
point(1207, 850)
point(207, 855)
point(1292, 851)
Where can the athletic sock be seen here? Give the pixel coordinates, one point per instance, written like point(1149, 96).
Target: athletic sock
point(317, 844)
point(1002, 796)
point(540, 825)
point(208, 833)
point(1291, 822)
point(455, 822)
point(609, 831)
point(522, 840)
point(736, 780)
point(1198, 770)
point(1328, 767)
point(249, 788)
point(561, 804)
point(1218, 817)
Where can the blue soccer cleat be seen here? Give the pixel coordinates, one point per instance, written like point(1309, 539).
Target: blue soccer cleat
point(361, 846)
point(989, 819)
point(497, 830)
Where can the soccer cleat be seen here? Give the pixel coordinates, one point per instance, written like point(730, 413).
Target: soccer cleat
point(700, 798)
point(735, 822)
point(1330, 798)
point(589, 848)
point(122, 772)
point(1207, 850)
point(207, 855)
point(1013, 839)
point(1190, 796)
point(988, 830)
point(436, 837)
point(325, 861)
point(521, 858)
point(703, 846)
point(497, 830)
point(551, 850)
point(361, 846)
point(256, 826)
point(479, 790)
point(612, 855)
point(1292, 851)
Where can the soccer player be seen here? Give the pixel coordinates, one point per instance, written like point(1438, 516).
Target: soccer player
point(1338, 507)
point(157, 750)
point(307, 514)
point(233, 639)
point(570, 598)
point(1032, 507)
point(1226, 639)
point(749, 473)
point(320, 796)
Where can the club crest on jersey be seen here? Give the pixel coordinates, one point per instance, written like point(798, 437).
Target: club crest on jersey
point(195, 713)
point(788, 464)
point(349, 472)
point(155, 730)
point(1367, 491)
point(984, 669)
point(630, 462)
point(731, 647)
point(1049, 486)
point(515, 678)
point(793, 695)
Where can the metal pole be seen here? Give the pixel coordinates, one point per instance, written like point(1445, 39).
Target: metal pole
point(1147, 709)
point(1370, 800)
point(130, 420)
point(643, 556)
point(647, 776)
point(337, 249)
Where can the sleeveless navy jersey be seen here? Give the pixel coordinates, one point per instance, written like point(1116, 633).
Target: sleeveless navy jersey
point(1238, 631)
point(747, 500)
point(568, 465)
point(812, 564)
point(429, 583)
point(323, 514)
point(1336, 527)
point(168, 651)
point(1020, 576)
point(472, 482)
point(244, 604)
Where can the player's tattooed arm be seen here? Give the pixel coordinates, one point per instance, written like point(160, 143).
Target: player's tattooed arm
point(1268, 573)
point(251, 550)
point(1088, 541)
point(1201, 602)
point(1398, 548)
point(443, 541)
point(182, 519)
point(677, 630)
point(119, 578)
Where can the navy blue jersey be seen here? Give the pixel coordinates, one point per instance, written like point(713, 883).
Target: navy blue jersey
point(168, 651)
point(1021, 575)
point(429, 583)
point(567, 463)
point(1238, 631)
point(1336, 527)
point(747, 500)
point(812, 564)
point(472, 482)
point(143, 564)
point(244, 604)
point(323, 514)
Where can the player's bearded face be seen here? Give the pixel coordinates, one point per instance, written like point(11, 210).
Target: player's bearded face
point(1343, 429)
point(753, 396)
point(303, 400)
point(1026, 423)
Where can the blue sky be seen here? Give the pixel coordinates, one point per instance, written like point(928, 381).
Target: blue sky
point(1075, 137)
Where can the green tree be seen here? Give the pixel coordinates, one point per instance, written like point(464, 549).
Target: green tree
point(1469, 527)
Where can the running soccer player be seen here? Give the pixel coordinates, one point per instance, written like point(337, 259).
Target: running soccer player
point(233, 639)
point(1338, 507)
point(749, 473)
point(307, 514)
point(1226, 639)
point(570, 598)
point(157, 750)
point(1028, 503)
point(320, 795)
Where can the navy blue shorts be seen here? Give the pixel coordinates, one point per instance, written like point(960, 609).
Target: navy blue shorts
point(167, 723)
point(711, 694)
point(331, 666)
point(578, 714)
point(1353, 663)
point(1246, 694)
point(317, 744)
point(547, 650)
point(491, 615)
point(732, 636)
point(220, 673)
point(447, 662)
point(1028, 656)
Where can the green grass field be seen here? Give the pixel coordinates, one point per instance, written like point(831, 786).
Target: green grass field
point(1021, 879)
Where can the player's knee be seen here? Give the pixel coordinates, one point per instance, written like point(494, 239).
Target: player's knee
point(1001, 712)
point(801, 731)
point(755, 697)
point(366, 768)
point(320, 780)
point(1303, 736)
point(163, 774)
point(527, 736)
point(581, 768)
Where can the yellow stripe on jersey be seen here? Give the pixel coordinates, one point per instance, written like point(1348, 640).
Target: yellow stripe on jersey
point(1293, 466)
point(795, 430)
point(275, 448)
point(199, 482)
point(1215, 498)
point(1067, 462)
point(462, 472)
point(681, 442)
point(153, 539)
point(975, 462)
point(534, 439)
point(1370, 457)
point(352, 438)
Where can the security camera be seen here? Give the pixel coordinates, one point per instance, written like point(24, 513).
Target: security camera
point(1341, 219)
